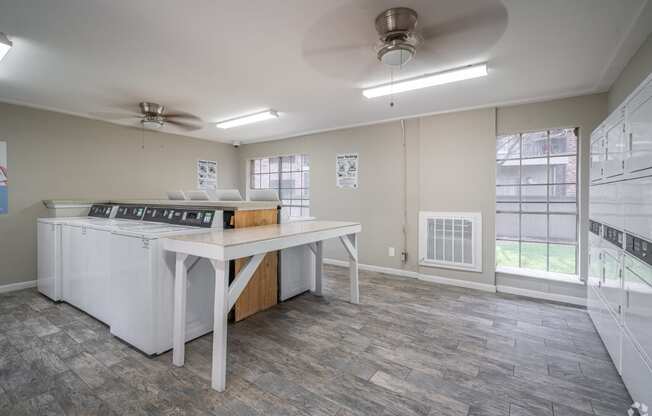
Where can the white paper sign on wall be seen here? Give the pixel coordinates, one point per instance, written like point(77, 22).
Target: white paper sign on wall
point(346, 170)
point(206, 174)
point(4, 180)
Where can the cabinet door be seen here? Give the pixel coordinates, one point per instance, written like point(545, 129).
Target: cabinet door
point(638, 304)
point(639, 121)
point(595, 261)
point(637, 374)
point(73, 253)
point(98, 275)
point(637, 206)
point(615, 149)
point(611, 288)
point(597, 158)
point(46, 263)
point(607, 326)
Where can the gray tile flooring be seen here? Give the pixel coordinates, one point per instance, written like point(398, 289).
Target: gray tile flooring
point(410, 348)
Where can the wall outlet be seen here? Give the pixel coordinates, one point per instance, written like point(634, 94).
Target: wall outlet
point(391, 252)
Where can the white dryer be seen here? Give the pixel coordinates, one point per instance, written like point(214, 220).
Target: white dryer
point(142, 280)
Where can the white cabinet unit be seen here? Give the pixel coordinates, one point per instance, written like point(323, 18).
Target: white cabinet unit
point(49, 258)
point(639, 122)
point(614, 163)
point(638, 304)
point(597, 155)
point(620, 242)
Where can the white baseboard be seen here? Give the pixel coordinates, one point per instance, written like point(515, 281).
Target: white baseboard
point(416, 275)
point(542, 295)
point(457, 282)
point(17, 286)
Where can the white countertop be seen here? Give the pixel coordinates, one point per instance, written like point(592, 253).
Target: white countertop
point(234, 237)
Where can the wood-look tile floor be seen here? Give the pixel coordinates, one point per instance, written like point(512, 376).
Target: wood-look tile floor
point(410, 348)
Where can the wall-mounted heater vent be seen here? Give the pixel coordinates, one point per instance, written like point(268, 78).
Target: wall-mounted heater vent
point(451, 240)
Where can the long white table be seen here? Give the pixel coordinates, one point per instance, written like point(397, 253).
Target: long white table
point(221, 246)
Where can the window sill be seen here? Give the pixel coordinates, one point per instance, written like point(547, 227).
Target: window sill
point(537, 274)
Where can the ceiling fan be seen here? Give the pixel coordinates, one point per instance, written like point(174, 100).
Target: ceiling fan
point(154, 116)
point(440, 34)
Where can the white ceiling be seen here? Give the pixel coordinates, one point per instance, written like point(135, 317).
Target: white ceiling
point(219, 59)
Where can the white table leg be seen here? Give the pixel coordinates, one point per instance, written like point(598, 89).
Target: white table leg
point(319, 267)
point(353, 269)
point(179, 317)
point(221, 313)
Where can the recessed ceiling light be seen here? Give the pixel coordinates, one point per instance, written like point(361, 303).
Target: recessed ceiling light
point(5, 45)
point(454, 75)
point(248, 119)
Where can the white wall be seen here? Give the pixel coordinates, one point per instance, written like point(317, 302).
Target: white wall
point(450, 167)
point(638, 68)
point(56, 156)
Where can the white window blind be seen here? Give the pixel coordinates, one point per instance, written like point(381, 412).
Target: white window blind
point(451, 240)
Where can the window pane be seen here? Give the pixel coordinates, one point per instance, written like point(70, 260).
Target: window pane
point(507, 253)
point(507, 206)
point(286, 193)
point(562, 258)
point(273, 164)
point(563, 169)
point(273, 181)
point(534, 171)
point(507, 193)
point(296, 165)
point(534, 227)
point(508, 147)
point(535, 144)
point(563, 228)
point(257, 166)
point(256, 181)
point(563, 207)
point(286, 163)
point(534, 255)
point(563, 141)
point(264, 181)
point(563, 193)
point(305, 212)
point(306, 162)
point(306, 180)
point(264, 165)
point(534, 207)
point(286, 180)
point(507, 226)
point(534, 193)
point(507, 172)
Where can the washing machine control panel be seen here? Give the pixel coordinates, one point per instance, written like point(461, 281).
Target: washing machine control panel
point(102, 211)
point(205, 218)
point(130, 212)
point(613, 236)
point(639, 248)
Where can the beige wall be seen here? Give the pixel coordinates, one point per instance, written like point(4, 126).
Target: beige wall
point(450, 167)
point(638, 68)
point(52, 155)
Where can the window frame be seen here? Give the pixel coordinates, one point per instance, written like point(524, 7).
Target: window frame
point(519, 201)
point(304, 201)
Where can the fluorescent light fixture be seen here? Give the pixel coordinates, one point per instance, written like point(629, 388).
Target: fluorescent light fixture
point(5, 45)
point(251, 118)
point(454, 75)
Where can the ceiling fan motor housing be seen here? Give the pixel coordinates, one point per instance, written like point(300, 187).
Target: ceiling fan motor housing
point(396, 28)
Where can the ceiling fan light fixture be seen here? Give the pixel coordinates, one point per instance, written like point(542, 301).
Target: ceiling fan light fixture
point(151, 123)
point(248, 119)
point(5, 45)
point(396, 54)
point(454, 75)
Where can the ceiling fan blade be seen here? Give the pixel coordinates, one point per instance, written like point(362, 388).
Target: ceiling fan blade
point(181, 115)
point(114, 116)
point(477, 21)
point(185, 126)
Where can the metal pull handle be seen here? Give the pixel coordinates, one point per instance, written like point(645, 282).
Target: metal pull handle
point(627, 297)
point(631, 141)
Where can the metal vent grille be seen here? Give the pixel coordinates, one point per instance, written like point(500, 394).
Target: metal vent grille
point(452, 240)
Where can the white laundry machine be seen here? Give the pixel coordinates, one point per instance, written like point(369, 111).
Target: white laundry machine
point(85, 244)
point(142, 280)
point(49, 261)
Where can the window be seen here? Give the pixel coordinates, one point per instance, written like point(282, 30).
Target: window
point(536, 201)
point(289, 176)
